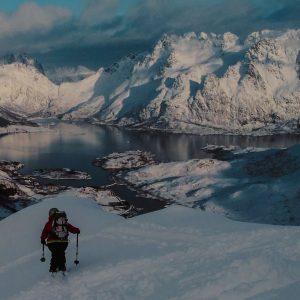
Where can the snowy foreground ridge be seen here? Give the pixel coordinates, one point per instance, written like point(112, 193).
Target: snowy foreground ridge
point(199, 83)
point(175, 253)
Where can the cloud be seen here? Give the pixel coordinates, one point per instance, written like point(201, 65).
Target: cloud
point(32, 18)
point(106, 23)
point(34, 28)
point(97, 12)
point(241, 17)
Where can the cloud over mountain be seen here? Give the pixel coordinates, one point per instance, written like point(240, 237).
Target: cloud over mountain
point(123, 24)
point(31, 17)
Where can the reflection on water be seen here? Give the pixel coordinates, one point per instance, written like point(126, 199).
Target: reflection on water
point(75, 146)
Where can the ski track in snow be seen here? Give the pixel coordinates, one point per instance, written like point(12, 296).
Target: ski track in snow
point(176, 253)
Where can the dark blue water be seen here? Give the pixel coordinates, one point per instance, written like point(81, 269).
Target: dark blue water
point(76, 146)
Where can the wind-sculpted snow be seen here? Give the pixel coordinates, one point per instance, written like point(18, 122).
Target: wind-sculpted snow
point(252, 186)
point(175, 253)
point(196, 83)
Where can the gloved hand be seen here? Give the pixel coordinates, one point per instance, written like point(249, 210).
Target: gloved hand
point(78, 231)
point(43, 242)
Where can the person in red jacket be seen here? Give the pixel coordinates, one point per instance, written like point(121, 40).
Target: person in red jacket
point(56, 245)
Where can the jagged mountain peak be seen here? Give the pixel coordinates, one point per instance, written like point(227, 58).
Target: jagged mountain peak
point(182, 52)
point(124, 62)
point(24, 59)
point(265, 50)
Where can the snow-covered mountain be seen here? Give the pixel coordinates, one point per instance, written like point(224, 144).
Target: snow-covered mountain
point(203, 83)
point(24, 89)
point(194, 81)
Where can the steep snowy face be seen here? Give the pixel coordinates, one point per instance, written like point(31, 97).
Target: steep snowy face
point(71, 95)
point(139, 88)
point(24, 89)
point(102, 94)
point(192, 82)
point(174, 55)
point(259, 89)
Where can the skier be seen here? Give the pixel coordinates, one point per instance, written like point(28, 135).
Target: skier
point(56, 233)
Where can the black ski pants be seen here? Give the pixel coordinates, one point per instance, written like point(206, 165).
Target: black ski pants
point(58, 259)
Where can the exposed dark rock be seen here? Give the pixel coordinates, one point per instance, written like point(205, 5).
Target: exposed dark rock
point(24, 59)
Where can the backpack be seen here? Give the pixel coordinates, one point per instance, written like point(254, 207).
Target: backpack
point(60, 225)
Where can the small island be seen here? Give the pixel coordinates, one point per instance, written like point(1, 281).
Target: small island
point(60, 174)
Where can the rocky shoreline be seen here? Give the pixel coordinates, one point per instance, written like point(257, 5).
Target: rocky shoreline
point(18, 191)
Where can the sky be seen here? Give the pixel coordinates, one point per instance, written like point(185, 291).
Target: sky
point(95, 33)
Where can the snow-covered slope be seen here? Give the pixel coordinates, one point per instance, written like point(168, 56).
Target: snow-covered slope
point(101, 93)
point(176, 253)
point(73, 95)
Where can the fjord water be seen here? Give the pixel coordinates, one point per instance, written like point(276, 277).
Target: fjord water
point(75, 146)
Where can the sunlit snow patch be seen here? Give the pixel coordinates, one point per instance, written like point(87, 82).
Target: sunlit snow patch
point(125, 160)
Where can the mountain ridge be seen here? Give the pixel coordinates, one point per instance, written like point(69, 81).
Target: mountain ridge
point(199, 83)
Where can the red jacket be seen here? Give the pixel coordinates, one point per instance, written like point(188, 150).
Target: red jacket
point(51, 238)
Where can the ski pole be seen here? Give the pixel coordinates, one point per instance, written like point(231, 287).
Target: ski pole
point(76, 261)
point(43, 255)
